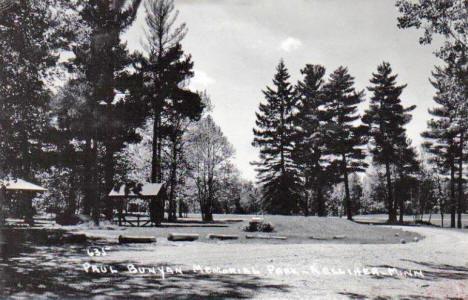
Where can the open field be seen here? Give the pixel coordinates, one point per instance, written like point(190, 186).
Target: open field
point(435, 219)
point(297, 229)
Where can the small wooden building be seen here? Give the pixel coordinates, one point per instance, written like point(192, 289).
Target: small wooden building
point(22, 186)
point(153, 193)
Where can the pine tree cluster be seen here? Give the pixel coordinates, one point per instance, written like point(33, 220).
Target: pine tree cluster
point(312, 137)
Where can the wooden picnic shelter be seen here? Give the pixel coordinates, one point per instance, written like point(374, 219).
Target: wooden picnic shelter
point(22, 186)
point(153, 193)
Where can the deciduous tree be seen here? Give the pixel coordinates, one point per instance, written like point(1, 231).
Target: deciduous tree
point(209, 152)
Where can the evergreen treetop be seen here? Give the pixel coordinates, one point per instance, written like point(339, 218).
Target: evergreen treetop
point(274, 135)
point(386, 115)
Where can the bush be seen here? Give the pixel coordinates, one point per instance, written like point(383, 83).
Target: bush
point(252, 227)
point(266, 227)
point(259, 226)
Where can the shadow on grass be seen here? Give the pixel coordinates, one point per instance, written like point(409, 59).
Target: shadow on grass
point(353, 295)
point(56, 271)
point(60, 282)
point(444, 271)
point(405, 223)
point(437, 272)
point(401, 297)
point(409, 297)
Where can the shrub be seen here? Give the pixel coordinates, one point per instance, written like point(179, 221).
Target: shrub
point(266, 227)
point(259, 226)
point(252, 227)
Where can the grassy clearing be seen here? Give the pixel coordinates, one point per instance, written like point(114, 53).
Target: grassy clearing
point(297, 229)
point(434, 219)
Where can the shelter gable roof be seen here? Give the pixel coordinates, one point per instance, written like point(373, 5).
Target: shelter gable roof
point(147, 190)
point(21, 185)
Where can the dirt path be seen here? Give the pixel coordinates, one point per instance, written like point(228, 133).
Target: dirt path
point(436, 267)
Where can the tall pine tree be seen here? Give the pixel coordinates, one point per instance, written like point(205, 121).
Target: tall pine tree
point(274, 135)
point(447, 20)
point(164, 73)
point(102, 58)
point(30, 38)
point(405, 171)
point(386, 118)
point(441, 135)
point(345, 138)
point(309, 150)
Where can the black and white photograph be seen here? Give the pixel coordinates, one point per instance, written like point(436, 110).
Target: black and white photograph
point(234, 149)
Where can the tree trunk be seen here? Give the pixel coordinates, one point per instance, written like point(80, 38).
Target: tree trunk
point(460, 183)
point(305, 203)
point(206, 212)
point(153, 209)
point(441, 202)
point(394, 200)
point(87, 197)
point(181, 203)
point(29, 211)
point(71, 205)
point(238, 207)
point(209, 202)
point(391, 209)
point(159, 151)
point(172, 216)
point(348, 205)
point(401, 203)
point(208, 216)
point(452, 195)
point(158, 202)
point(95, 197)
point(3, 204)
point(320, 202)
point(402, 208)
point(109, 181)
point(155, 159)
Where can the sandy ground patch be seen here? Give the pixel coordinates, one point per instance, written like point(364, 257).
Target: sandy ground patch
point(436, 267)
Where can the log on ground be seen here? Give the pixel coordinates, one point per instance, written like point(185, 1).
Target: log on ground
point(265, 237)
point(136, 239)
point(222, 236)
point(182, 237)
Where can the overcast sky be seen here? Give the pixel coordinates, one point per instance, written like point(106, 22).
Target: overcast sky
point(236, 45)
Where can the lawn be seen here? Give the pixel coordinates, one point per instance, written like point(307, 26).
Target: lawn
point(297, 229)
point(434, 219)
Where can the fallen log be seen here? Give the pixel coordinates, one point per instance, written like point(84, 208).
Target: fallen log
point(266, 237)
point(182, 237)
point(189, 225)
point(232, 220)
point(319, 238)
point(75, 238)
point(65, 238)
point(136, 239)
point(222, 236)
